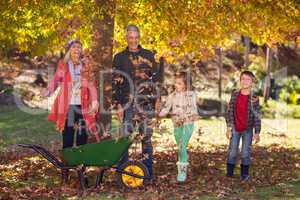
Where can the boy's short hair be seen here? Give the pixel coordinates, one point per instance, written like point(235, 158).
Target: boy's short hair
point(248, 73)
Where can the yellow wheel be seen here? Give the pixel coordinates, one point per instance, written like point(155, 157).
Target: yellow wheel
point(136, 168)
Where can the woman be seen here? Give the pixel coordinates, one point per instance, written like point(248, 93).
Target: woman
point(76, 105)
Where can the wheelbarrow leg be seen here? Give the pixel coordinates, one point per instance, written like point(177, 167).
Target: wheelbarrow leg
point(80, 173)
point(65, 176)
point(99, 179)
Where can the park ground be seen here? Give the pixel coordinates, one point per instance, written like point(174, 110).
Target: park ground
point(275, 171)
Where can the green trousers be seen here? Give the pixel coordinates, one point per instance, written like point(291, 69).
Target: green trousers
point(182, 136)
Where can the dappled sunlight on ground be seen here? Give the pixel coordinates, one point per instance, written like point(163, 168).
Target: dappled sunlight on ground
point(275, 165)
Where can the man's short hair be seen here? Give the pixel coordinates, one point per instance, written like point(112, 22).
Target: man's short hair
point(248, 73)
point(132, 27)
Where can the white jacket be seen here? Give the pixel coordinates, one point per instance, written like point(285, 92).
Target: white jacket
point(183, 107)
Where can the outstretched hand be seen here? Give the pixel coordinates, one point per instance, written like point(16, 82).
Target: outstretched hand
point(120, 113)
point(157, 107)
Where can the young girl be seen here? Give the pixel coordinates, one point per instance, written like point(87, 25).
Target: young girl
point(183, 106)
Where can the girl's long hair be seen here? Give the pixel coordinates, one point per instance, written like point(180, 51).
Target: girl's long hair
point(187, 79)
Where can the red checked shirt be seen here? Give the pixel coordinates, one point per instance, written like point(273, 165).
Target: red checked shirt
point(241, 113)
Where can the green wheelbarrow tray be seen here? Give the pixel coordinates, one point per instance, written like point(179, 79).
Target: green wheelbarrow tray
point(105, 153)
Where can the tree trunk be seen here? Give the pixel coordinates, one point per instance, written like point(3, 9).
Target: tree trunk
point(268, 77)
point(247, 44)
point(102, 51)
point(220, 66)
point(161, 70)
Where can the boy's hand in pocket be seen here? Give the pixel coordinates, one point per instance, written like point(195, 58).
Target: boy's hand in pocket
point(256, 138)
point(228, 133)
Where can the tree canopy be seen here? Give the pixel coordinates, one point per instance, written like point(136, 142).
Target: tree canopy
point(173, 26)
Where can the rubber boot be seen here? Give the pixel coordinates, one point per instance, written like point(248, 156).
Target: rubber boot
point(245, 173)
point(182, 171)
point(230, 170)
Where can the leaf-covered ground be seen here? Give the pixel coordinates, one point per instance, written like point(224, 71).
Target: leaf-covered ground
point(275, 171)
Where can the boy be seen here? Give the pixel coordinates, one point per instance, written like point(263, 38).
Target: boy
point(242, 117)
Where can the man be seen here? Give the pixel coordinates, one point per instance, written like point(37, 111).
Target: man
point(134, 91)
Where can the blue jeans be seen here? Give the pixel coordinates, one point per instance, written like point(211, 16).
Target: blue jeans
point(246, 146)
point(129, 125)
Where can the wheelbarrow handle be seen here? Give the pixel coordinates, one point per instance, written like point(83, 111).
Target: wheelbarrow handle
point(47, 155)
point(26, 145)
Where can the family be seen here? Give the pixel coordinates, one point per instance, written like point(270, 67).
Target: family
point(137, 101)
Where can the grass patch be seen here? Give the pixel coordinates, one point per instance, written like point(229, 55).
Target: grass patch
point(17, 126)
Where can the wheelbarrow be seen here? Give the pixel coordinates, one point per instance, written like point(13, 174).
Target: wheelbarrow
point(105, 154)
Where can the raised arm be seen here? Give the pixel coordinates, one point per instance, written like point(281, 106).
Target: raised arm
point(58, 77)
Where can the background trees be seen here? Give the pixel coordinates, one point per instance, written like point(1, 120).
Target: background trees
point(177, 26)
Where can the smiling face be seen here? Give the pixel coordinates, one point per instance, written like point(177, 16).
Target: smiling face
point(180, 85)
point(75, 52)
point(133, 40)
point(246, 81)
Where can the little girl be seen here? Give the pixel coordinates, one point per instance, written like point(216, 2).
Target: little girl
point(183, 106)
